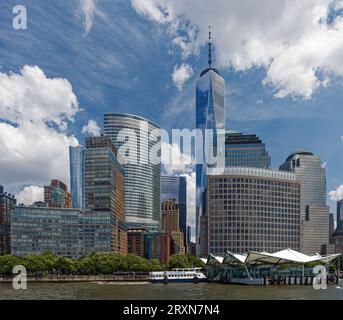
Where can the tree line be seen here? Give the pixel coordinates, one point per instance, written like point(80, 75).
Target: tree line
point(94, 264)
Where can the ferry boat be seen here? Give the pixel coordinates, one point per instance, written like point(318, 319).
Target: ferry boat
point(178, 275)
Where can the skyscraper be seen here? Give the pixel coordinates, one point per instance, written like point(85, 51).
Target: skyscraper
point(245, 150)
point(56, 195)
point(175, 188)
point(210, 114)
point(340, 215)
point(7, 203)
point(104, 197)
point(314, 211)
point(142, 186)
point(76, 163)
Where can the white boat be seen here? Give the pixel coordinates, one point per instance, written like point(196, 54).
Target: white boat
point(178, 275)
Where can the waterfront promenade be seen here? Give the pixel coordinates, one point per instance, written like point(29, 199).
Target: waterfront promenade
point(122, 276)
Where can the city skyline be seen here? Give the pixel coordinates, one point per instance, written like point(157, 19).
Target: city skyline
point(118, 79)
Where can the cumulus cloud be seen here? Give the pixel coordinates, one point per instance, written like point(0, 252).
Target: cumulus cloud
point(91, 128)
point(88, 11)
point(35, 112)
point(175, 162)
point(181, 74)
point(336, 195)
point(30, 194)
point(299, 43)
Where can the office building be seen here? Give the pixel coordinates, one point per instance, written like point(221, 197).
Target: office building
point(177, 239)
point(77, 165)
point(189, 234)
point(7, 203)
point(340, 215)
point(143, 174)
point(105, 193)
point(331, 224)
point(56, 195)
point(175, 188)
point(170, 224)
point(99, 233)
point(252, 209)
point(135, 239)
point(210, 114)
point(35, 230)
point(170, 216)
point(245, 150)
point(336, 243)
point(157, 246)
point(314, 211)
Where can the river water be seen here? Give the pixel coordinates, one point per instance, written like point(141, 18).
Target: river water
point(183, 291)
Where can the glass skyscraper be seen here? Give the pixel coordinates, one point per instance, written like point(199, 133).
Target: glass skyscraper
point(245, 150)
point(142, 184)
point(76, 162)
point(314, 211)
point(105, 196)
point(210, 114)
point(175, 188)
point(340, 215)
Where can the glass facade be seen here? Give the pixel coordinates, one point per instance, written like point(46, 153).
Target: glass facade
point(252, 210)
point(76, 162)
point(7, 203)
point(210, 114)
point(340, 215)
point(245, 151)
point(142, 185)
point(104, 195)
point(173, 187)
point(314, 212)
point(35, 230)
point(56, 195)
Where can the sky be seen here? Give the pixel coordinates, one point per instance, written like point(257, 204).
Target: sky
point(282, 62)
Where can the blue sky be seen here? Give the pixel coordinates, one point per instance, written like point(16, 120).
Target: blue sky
point(120, 55)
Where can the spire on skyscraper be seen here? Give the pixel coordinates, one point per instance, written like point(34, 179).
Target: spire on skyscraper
point(209, 47)
point(209, 54)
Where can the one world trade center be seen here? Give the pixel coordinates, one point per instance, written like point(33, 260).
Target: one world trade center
point(210, 117)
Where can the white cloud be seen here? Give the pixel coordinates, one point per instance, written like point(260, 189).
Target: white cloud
point(336, 195)
point(91, 128)
point(88, 11)
point(175, 162)
point(34, 115)
point(299, 43)
point(30, 194)
point(181, 74)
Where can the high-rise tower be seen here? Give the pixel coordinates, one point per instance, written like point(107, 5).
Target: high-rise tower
point(210, 114)
point(142, 183)
point(314, 211)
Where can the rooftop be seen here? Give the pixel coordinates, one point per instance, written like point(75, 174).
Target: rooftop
point(301, 151)
point(260, 258)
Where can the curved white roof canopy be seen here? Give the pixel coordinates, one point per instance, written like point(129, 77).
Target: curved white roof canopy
point(280, 257)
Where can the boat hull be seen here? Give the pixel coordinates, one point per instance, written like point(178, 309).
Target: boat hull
point(178, 281)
